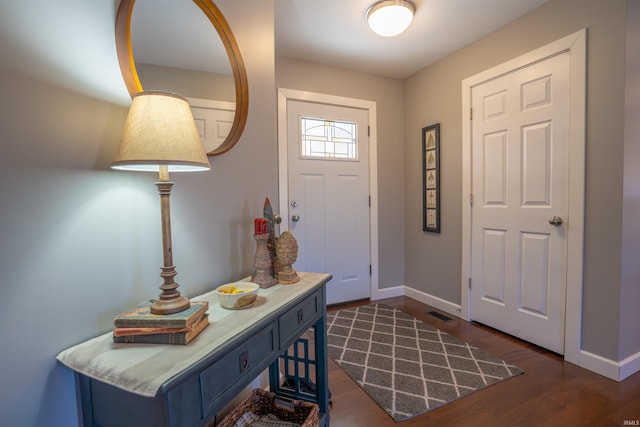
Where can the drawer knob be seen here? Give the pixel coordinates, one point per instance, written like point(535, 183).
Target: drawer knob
point(300, 316)
point(244, 361)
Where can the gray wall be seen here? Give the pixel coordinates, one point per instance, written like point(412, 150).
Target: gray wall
point(189, 83)
point(630, 280)
point(387, 93)
point(432, 262)
point(80, 242)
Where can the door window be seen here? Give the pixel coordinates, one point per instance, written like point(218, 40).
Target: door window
point(328, 139)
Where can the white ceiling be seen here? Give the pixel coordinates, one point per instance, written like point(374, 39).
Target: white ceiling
point(335, 32)
point(331, 32)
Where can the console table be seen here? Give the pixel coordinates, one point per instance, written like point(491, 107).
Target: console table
point(173, 385)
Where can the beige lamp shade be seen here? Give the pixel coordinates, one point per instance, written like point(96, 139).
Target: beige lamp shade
point(160, 130)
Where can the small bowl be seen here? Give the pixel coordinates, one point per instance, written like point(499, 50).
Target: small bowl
point(244, 295)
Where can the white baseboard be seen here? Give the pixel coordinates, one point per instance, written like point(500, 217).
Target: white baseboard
point(629, 366)
point(599, 365)
point(433, 301)
point(396, 291)
point(616, 371)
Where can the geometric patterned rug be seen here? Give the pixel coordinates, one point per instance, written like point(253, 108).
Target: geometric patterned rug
point(407, 366)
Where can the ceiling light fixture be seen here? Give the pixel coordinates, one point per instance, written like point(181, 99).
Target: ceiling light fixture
point(389, 18)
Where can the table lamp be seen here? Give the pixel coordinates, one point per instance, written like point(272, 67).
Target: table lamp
point(160, 135)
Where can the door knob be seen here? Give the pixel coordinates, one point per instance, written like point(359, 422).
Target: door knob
point(295, 218)
point(555, 220)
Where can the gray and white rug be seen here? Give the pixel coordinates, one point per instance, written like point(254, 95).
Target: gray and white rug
point(407, 366)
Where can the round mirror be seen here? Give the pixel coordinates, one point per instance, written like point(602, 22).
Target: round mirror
point(186, 47)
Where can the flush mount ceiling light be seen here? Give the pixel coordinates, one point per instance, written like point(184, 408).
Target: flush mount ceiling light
point(389, 18)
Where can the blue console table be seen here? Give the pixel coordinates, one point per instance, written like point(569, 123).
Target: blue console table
point(139, 385)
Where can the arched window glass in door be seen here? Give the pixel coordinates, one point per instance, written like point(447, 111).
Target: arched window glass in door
point(328, 139)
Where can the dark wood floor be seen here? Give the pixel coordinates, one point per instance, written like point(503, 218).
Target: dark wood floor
point(551, 392)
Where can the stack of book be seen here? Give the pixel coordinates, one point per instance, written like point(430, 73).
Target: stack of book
point(141, 326)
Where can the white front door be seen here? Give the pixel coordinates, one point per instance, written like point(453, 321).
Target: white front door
point(328, 192)
point(520, 180)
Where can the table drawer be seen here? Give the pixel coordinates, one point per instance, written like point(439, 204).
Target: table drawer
point(245, 359)
point(299, 318)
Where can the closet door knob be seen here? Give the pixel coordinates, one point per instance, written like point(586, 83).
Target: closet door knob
point(555, 220)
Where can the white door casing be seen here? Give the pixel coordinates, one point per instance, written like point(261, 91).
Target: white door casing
point(528, 299)
point(295, 182)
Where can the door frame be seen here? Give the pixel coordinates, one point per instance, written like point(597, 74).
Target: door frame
point(285, 95)
point(576, 45)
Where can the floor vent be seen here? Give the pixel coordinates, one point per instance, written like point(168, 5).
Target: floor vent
point(439, 316)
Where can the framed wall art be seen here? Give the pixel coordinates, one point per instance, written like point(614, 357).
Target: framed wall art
point(431, 178)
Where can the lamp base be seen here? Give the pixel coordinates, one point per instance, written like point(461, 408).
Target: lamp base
point(169, 306)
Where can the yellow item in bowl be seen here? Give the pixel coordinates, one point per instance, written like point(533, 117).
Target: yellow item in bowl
point(231, 289)
point(237, 295)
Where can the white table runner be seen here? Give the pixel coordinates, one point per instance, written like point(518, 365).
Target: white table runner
point(143, 368)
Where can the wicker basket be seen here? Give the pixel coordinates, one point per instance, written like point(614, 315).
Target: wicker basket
point(262, 402)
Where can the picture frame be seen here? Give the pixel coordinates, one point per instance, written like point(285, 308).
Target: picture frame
point(431, 178)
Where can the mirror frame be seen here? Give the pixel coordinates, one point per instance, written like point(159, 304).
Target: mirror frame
point(132, 80)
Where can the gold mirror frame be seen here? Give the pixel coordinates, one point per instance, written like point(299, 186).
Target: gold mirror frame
point(132, 81)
